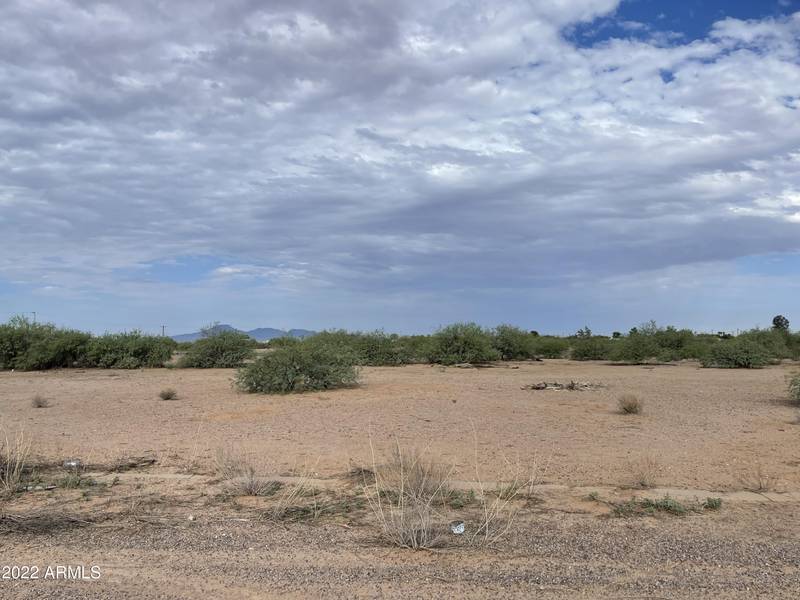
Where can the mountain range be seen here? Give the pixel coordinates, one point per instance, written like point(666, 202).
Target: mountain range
point(261, 334)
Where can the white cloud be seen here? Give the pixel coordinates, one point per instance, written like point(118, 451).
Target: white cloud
point(476, 141)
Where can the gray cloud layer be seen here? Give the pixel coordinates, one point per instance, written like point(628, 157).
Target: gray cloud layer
point(382, 148)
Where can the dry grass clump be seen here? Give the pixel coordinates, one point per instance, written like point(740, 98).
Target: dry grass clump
point(644, 471)
point(629, 404)
point(39, 402)
point(755, 478)
point(794, 389)
point(405, 497)
point(168, 394)
point(14, 453)
point(243, 475)
point(412, 498)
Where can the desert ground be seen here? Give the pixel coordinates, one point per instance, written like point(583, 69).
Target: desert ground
point(151, 508)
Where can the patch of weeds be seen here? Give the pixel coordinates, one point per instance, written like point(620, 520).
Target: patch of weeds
point(74, 480)
point(665, 504)
point(320, 507)
point(168, 394)
point(712, 503)
point(637, 508)
point(457, 499)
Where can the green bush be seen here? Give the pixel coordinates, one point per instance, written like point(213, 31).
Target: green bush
point(591, 348)
point(371, 349)
point(548, 346)
point(462, 343)
point(31, 346)
point(299, 368)
point(219, 349)
point(737, 354)
point(129, 350)
point(283, 342)
point(774, 341)
point(513, 343)
point(636, 348)
point(416, 346)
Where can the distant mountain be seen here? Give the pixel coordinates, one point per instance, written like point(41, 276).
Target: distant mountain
point(261, 334)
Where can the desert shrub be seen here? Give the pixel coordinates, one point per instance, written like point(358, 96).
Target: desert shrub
point(794, 389)
point(737, 354)
point(775, 342)
point(29, 346)
point(699, 347)
point(462, 343)
point(374, 348)
point(39, 401)
point(298, 369)
point(416, 346)
point(405, 494)
point(629, 404)
point(591, 348)
point(129, 350)
point(283, 342)
point(168, 394)
point(243, 474)
point(220, 349)
point(550, 347)
point(513, 343)
point(635, 349)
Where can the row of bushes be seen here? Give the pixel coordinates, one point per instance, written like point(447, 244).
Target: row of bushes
point(29, 346)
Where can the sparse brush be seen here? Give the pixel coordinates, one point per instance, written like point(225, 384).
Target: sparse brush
point(644, 471)
point(712, 503)
point(629, 404)
point(242, 475)
point(498, 513)
point(405, 497)
point(168, 394)
point(289, 506)
point(39, 402)
point(14, 453)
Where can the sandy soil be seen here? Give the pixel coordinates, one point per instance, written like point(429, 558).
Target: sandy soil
point(171, 530)
point(708, 428)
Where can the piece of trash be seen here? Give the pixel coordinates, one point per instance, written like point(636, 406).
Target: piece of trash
point(73, 463)
point(457, 527)
point(191, 517)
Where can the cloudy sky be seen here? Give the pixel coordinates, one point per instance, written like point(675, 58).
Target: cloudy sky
point(400, 165)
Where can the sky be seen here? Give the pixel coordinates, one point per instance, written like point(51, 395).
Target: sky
point(400, 165)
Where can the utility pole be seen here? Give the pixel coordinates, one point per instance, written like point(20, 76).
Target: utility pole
point(163, 329)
